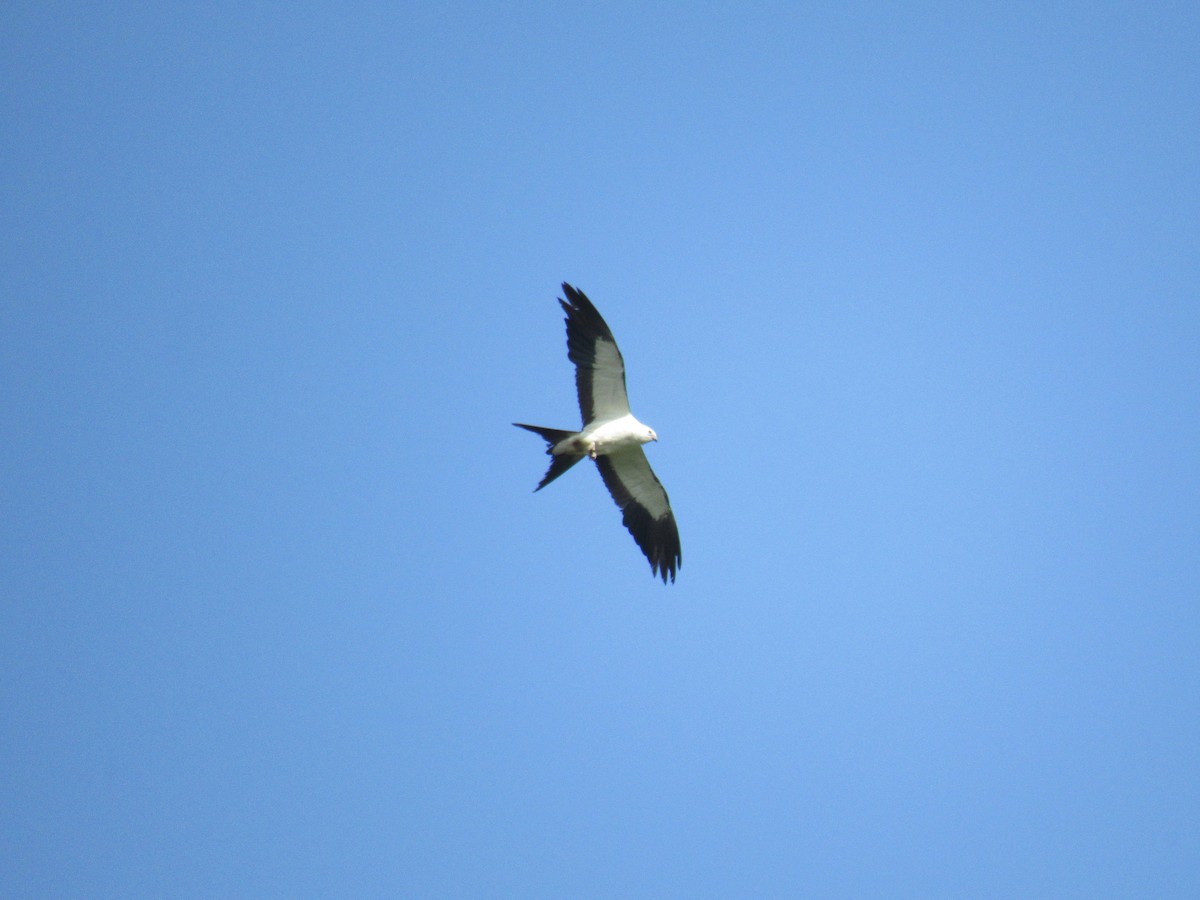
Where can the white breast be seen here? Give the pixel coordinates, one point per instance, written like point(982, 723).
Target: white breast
point(616, 434)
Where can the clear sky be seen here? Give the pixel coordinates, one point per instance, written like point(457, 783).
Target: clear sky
point(911, 295)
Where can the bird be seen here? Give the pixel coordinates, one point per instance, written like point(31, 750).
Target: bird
point(611, 437)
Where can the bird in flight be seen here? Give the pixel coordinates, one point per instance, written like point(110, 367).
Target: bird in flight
point(611, 437)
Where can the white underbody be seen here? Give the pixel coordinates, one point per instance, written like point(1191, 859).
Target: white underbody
point(609, 436)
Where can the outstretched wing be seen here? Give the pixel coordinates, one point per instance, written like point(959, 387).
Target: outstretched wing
point(645, 508)
point(599, 369)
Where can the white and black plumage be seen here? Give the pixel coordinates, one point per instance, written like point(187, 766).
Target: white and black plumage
point(611, 436)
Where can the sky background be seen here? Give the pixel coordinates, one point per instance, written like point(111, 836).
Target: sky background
point(911, 295)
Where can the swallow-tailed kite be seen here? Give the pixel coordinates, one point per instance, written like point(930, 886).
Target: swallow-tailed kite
point(611, 436)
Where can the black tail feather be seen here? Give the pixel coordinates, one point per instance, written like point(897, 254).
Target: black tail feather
point(550, 435)
point(558, 464)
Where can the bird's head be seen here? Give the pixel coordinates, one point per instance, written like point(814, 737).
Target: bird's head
point(650, 435)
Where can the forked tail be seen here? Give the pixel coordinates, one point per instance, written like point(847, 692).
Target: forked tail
point(559, 463)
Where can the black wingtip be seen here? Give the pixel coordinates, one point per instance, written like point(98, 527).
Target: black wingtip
point(583, 316)
point(667, 567)
point(576, 299)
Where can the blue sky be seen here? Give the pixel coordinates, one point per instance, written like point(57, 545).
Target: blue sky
point(911, 295)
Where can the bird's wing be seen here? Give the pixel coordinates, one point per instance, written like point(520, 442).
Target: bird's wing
point(599, 369)
point(645, 508)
